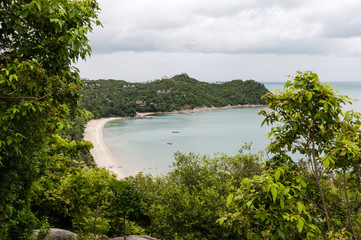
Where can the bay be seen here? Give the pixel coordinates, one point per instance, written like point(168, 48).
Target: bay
point(148, 146)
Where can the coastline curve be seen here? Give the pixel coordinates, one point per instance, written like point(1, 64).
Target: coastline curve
point(93, 132)
point(103, 158)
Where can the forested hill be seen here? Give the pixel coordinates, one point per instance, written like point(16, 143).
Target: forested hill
point(105, 98)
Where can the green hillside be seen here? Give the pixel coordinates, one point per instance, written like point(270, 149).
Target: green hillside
point(105, 98)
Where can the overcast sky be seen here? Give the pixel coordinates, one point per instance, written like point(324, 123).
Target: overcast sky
point(222, 40)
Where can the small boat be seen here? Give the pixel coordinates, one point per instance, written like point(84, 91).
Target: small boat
point(175, 131)
point(169, 143)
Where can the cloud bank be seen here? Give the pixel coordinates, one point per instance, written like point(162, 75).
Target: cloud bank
point(260, 39)
point(231, 27)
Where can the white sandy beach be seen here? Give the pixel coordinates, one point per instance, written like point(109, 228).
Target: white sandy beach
point(103, 158)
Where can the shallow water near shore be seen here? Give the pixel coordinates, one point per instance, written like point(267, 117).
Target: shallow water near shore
point(148, 145)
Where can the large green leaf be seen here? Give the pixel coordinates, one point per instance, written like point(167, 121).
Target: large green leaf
point(274, 193)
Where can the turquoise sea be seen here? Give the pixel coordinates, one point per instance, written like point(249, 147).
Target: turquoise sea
point(148, 145)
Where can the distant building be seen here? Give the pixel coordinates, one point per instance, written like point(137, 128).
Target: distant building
point(92, 85)
point(141, 103)
point(128, 87)
point(162, 93)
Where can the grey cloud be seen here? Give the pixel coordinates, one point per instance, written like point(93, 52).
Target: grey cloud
point(343, 27)
point(230, 26)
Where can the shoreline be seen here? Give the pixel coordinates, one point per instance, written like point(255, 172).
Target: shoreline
point(103, 158)
point(93, 132)
point(201, 109)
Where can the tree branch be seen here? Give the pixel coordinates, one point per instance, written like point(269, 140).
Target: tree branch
point(22, 97)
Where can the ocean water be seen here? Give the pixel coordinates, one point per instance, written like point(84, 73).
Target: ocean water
point(148, 145)
point(350, 89)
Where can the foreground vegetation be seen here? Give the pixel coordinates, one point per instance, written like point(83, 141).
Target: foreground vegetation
point(106, 98)
point(318, 196)
point(314, 196)
point(39, 88)
point(46, 180)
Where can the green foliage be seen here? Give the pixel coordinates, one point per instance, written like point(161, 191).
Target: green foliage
point(39, 40)
point(309, 112)
point(64, 157)
point(310, 121)
point(75, 129)
point(132, 228)
point(186, 203)
point(124, 204)
point(84, 191)
point(124, 194)
point(69, 196)
point(44, 230)
point(106, 98)
point(271, 206)
point(317, 197)
point(279, 204)
point(21, 222)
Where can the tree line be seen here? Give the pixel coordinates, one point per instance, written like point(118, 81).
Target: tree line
point(105, 98)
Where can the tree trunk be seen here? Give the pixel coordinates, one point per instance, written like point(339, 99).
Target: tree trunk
point(348, 206)
point(317, 174)
point(322, 198)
